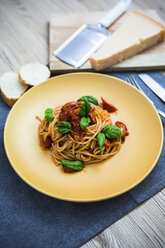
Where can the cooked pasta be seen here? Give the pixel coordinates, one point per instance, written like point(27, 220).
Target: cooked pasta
point(78, 144)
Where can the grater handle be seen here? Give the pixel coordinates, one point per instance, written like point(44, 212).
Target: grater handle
point(114, 13)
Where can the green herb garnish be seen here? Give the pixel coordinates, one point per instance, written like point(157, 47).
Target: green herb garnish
point(84, 122)
point(112, 132)
point(49, 114)
point(85, 108)
point(75, 165)
point(91, 99)
point(64, 127)
point(101, 141)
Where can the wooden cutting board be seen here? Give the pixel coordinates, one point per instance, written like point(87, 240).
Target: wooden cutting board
point(63, 25)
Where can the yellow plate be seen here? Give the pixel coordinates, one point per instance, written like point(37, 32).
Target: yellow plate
point(114, 176)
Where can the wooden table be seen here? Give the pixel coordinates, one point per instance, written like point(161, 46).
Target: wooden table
point(24, 38)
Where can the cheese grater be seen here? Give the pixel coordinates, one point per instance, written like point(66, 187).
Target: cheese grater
point(77, 49)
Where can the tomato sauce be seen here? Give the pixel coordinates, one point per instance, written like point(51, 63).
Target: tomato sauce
point(123, 127)
point(108, 106)
point(70, 112)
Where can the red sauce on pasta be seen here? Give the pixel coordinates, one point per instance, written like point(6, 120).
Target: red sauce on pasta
point(123, 127)
point(70, 113)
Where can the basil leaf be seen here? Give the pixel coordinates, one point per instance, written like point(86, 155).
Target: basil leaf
point(49, 117)
point(112, 132)
point(49, 114)
point(64, 127)
point(48, 111)
point(85, 109)
point(91, 99)
point(83, 99)
point(75, 165)
point(101, 141)
point(64, 124)
point(84, 122)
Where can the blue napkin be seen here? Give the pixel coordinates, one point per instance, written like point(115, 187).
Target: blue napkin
point(30, 219)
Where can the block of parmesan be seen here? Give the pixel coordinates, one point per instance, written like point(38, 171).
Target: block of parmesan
point(136, 34)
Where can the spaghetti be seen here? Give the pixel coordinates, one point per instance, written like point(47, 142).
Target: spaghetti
point(78, 144)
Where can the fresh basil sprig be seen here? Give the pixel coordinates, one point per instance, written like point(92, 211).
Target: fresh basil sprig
point(85, 108)
point(112, 132)
point(101, 141)
point(91, 99)
point(75, 165)
point(64, 127)
point(49, 114)
point(84, 122)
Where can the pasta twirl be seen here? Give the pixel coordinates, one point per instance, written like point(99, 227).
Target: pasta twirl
point(77, 144)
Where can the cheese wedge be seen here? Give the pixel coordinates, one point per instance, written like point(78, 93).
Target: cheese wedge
point(136, 34)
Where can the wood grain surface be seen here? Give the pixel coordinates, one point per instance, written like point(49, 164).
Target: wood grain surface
point(62, 26)
point(24, 38)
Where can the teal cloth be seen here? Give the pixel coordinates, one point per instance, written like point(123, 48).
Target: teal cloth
point(30, 219)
